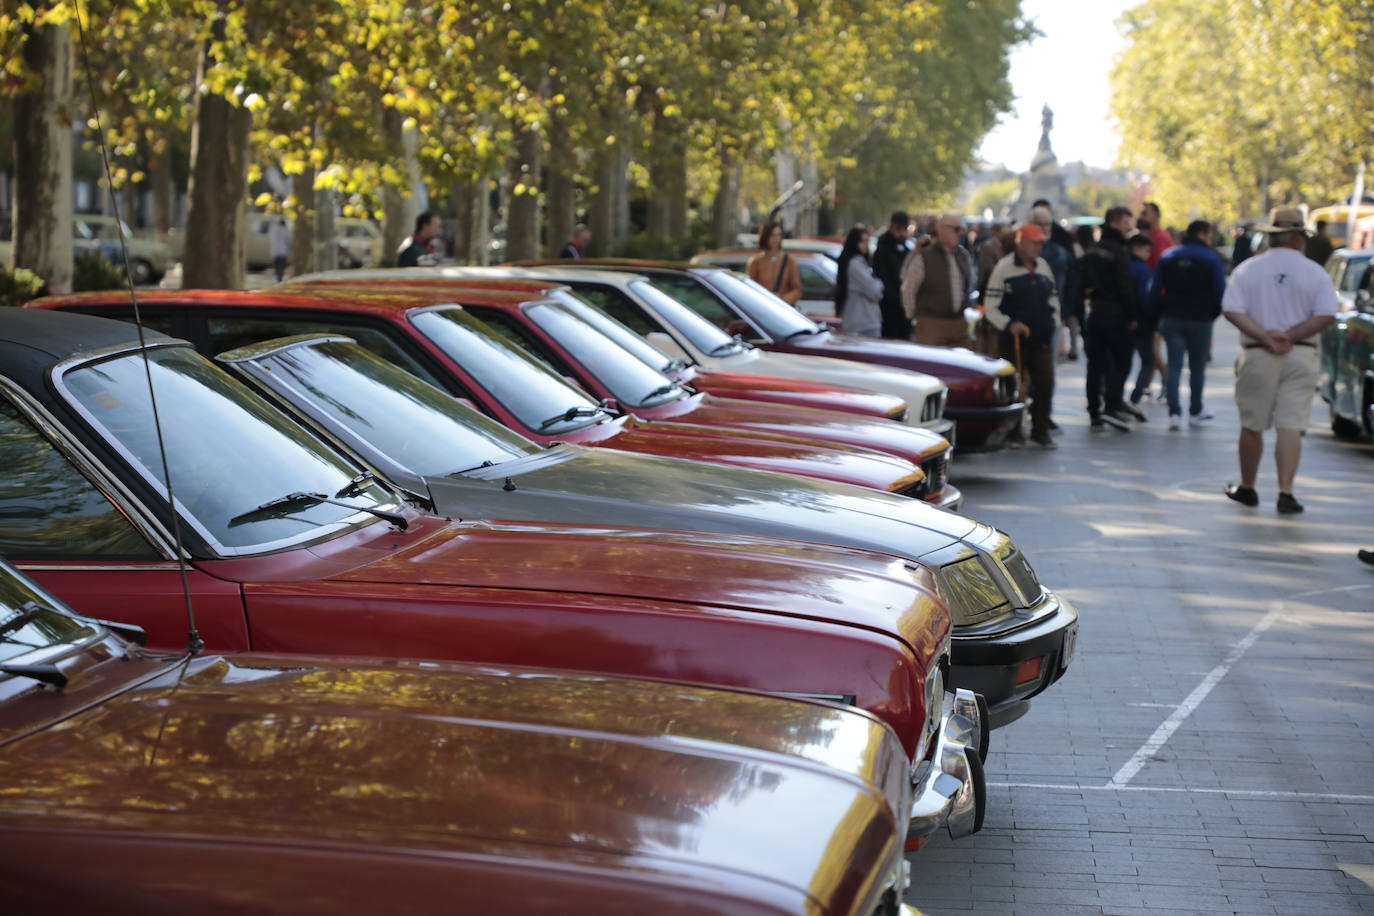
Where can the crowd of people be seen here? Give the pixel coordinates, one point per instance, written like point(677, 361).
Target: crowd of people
point(1131, 294)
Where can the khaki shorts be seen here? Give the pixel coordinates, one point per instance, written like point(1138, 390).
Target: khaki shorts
point(1276, 390)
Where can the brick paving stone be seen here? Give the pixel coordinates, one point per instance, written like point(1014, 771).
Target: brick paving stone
point(1168, 577)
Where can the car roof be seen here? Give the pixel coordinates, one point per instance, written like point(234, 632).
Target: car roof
point(32, 341)
point(373, 300)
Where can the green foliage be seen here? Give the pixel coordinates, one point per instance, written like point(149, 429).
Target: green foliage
point(992, 196)
point(93, 272)
point(18, 286)
point(1266, 102)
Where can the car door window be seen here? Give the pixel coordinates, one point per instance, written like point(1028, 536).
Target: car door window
point(229, 332)
point(48, 509)
point(815, 283)
point(687, 291)
point(616, 304)
point(153, 318)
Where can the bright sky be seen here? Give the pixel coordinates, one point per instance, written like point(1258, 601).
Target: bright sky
point(1066, 68)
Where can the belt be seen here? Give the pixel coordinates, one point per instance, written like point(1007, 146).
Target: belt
point(1259, 346)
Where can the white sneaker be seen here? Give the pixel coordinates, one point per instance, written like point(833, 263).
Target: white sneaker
point(1175, 421)
point(1201, 419)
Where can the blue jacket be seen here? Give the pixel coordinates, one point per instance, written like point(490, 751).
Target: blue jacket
point(1188, 283)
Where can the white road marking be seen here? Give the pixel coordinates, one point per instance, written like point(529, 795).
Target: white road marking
point(1185, 709)
point(1240, 793)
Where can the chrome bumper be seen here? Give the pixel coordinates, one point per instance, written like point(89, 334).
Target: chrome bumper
point(953, 792)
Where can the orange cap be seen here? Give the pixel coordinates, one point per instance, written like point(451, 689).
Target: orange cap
point(1030, 233)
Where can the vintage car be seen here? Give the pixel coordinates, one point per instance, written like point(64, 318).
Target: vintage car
point(448, 347)
point(291, 546)
point(743, 386)
point(580, 343)
point(683, 334)
point(1347, 383)
point(983, 392)
point(818, 272)
point(143, 782)
point(466, 464)
point(149, 259)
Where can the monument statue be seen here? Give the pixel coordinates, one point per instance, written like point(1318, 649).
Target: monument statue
point(1044, 180)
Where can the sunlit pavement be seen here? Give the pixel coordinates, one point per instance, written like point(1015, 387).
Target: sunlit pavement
point(1211, 749)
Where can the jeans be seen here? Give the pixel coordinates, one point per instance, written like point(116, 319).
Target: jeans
point(1109, 346)
point(1194, 338)
point(1145, 349)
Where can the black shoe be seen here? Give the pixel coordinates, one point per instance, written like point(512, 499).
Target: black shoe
point(1135, 413)
point(1246, 496)
point(1044, 441)
point(1073, 356)
point(1117, 420)
point(1288, 505)
point(1366, 556)
point(1098, 424)
point(1054, 427)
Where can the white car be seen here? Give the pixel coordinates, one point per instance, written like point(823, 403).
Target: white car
point(681, 333)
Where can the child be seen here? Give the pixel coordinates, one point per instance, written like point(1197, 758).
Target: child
point(1146, 340)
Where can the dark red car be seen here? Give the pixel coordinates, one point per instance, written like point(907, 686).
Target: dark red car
point(450, 348)
point(576, 340)
point(141, 782)
point(983, 393)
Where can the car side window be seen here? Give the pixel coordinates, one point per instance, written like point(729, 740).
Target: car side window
point(616, 304)
point(157, 321)
point(512, 331)
point(225, 332)
point(689, 293)
point(48, 509)
point(815, 285)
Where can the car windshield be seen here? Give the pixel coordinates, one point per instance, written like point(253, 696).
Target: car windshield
point(1354, 273)
point(646, 352)
point(774, 317)
point(704, 336)
point(528, 387)
point(230, 452)
point(631, 382)
point(408, 420)
point(30, 621)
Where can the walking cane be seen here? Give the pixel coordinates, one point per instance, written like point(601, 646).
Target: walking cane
point(1020, 373)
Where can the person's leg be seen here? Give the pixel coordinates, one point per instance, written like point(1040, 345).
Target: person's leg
point(1176, 343)
point(1251, 449)
point(1287, 452)
point(1042, 389)
point(1093, 351)
point(1143, 349)
point(1121, 346)
point(1199, 339)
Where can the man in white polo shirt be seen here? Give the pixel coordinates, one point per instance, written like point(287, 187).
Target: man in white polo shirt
point(1280, 300)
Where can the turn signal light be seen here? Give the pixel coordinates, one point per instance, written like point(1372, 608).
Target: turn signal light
point(1029, 670)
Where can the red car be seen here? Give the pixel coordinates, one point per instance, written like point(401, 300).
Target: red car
point(576, 339)
point(771, 389)
point(451, 349)
point(290, 546)
point(983, 393)
point(140, 782)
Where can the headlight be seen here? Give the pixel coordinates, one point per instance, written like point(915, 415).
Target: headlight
point(971, 592)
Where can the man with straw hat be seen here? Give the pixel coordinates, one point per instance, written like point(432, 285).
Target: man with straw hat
point(1280, 301)
point(1022, 303)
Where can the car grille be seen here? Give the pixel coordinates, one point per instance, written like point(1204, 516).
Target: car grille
point(937, 473)
point(934, 407)
point(1007, 388)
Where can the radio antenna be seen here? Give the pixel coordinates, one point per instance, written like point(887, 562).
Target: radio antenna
point(193, 641)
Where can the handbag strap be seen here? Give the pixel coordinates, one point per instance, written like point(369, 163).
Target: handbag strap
point(782, 269)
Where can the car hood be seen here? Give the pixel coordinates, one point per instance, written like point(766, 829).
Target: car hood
point(945, 362)
point(464, 762)
point(909, 384)
point(772, 388)
point(574, 485)
point(829, 426)
point(762, 575)
point(764, 451)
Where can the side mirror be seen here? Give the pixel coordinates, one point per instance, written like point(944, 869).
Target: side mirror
point(739, 328)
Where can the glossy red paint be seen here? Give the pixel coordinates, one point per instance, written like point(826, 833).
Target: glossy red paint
point(388, 312)
point(665, 605)
point(742, 386)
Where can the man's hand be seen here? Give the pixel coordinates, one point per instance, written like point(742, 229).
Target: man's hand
point(1277, 342)
point(1018, 329)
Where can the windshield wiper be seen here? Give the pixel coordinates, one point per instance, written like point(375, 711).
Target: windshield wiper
point(661, 389)
point(27, 611)
point(282, 505)
point(356, 485)
point(572, 413)
point(47, 674)
point(674, 365)
point(476, 467)
point(803, 332)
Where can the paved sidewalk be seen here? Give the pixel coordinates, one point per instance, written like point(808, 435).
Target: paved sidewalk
point(1212, 748)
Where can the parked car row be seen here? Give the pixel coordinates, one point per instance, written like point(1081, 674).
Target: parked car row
point(1347, 383)
point(488, 594)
